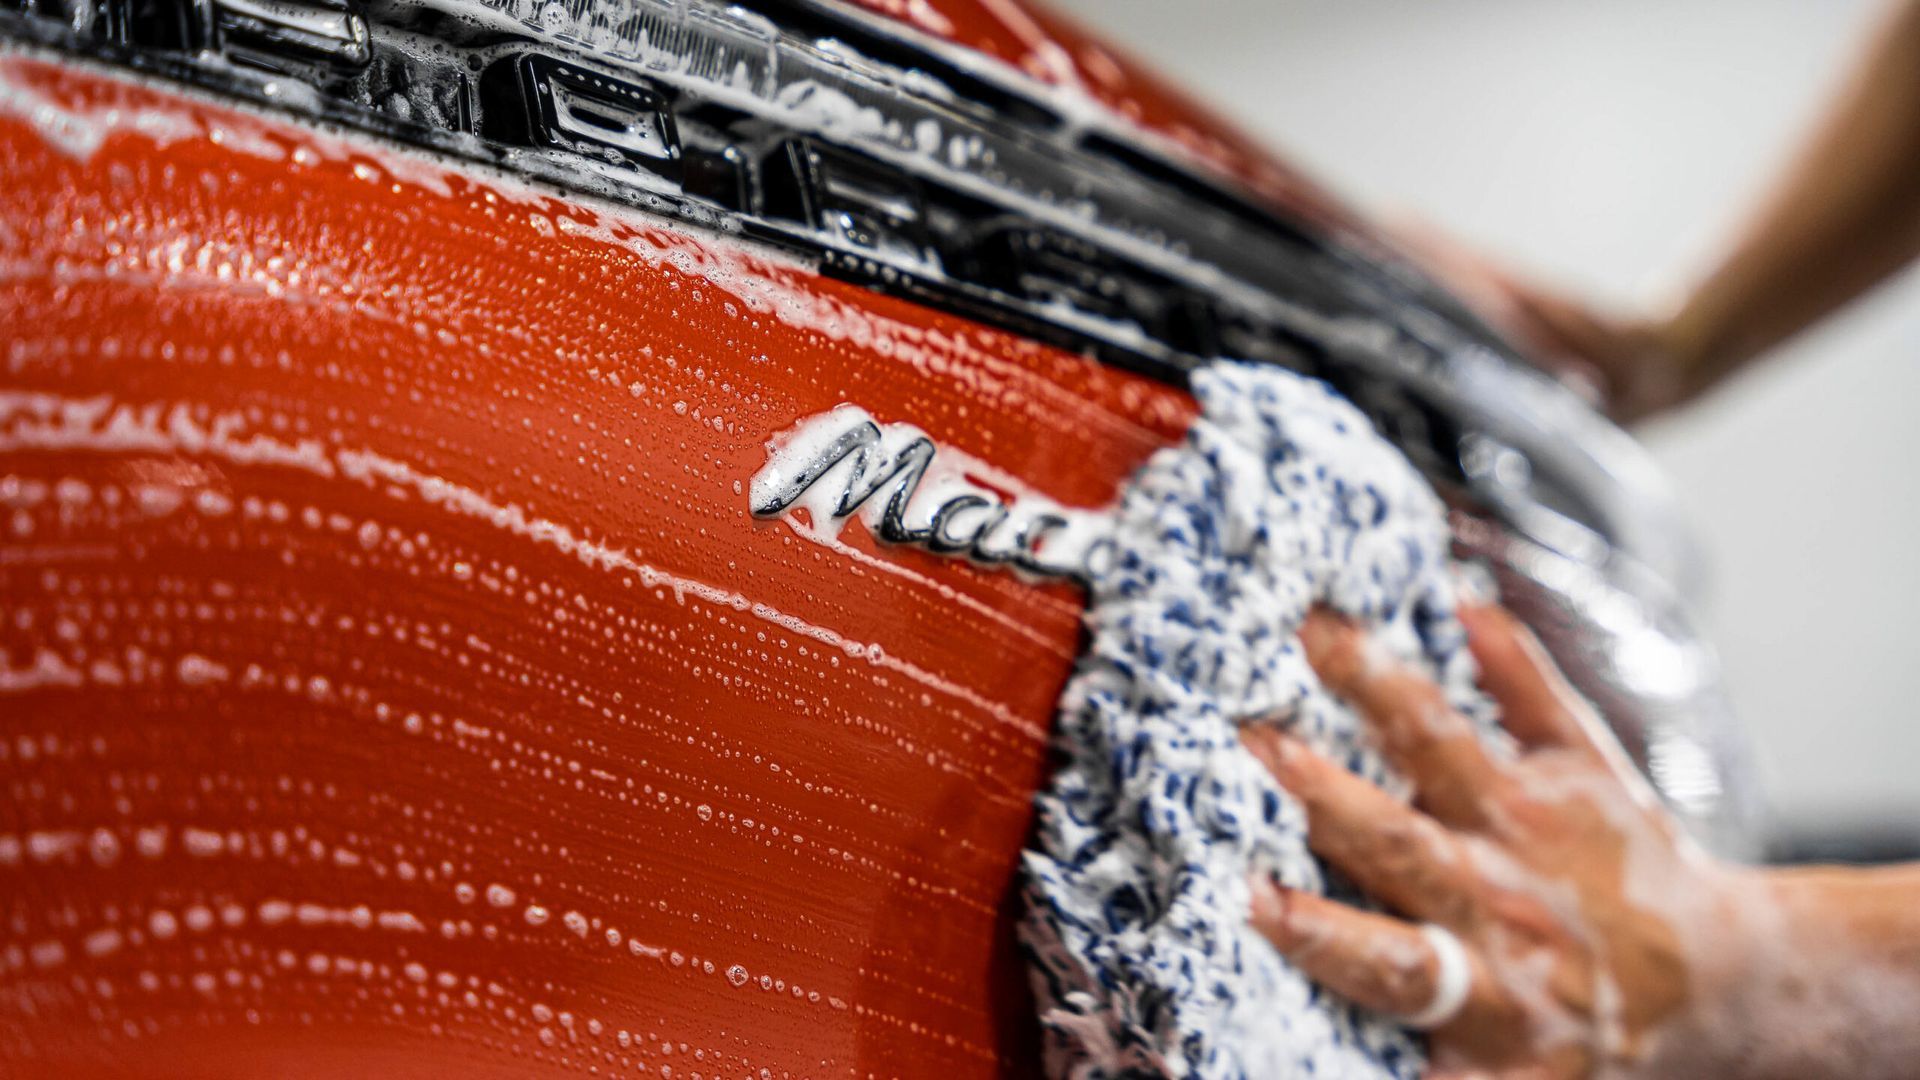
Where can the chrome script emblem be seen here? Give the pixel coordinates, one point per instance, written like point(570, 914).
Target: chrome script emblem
point(909, 490)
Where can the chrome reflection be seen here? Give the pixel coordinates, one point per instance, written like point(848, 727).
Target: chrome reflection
point(1626, 644)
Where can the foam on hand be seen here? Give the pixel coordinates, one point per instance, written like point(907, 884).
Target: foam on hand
point(1281, 497)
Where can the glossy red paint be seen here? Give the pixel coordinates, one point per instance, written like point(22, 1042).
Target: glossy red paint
point(394, 681)
point(1085, 71)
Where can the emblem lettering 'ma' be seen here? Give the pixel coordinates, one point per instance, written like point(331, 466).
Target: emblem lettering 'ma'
point(871, 469)
point(909, 491)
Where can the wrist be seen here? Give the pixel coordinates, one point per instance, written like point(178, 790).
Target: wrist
point(1688, 353)
point(1704, 337)
point(1756, 1008)
point(1813, 985)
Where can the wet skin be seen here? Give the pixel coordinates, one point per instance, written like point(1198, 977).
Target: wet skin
point(1602, 941)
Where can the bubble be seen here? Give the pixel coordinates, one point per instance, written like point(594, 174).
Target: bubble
point(105, 847)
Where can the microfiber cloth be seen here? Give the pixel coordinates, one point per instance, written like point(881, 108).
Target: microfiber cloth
point(1282, 496)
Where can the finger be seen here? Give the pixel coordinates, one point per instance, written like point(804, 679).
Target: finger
point(1394, 853)
point(1454, 777)
point(1537, 705)
point(1375, 961)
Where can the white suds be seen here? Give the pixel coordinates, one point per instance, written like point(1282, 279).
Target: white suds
point(1282, 496)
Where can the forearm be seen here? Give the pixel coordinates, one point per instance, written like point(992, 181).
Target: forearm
point(1845, 216)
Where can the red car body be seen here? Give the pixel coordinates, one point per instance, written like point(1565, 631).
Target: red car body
point(393, 678)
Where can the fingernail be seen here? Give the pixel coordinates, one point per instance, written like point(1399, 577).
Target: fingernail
point(1267, 908)
point(1257, 734)
point(1276, 749)
point(1258, 739)
point(1473, 615)
point(1476, 585)
point(1329, 643)
point(1484, 620)
point(1319, 634)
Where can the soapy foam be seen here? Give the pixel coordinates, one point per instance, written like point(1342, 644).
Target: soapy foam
point(1281, 497)
point(38, 421)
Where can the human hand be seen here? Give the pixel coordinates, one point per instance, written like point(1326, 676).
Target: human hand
point(1595, 935)
point(1633, 368)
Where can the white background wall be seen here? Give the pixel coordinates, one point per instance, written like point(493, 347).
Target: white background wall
point(1607, 146)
